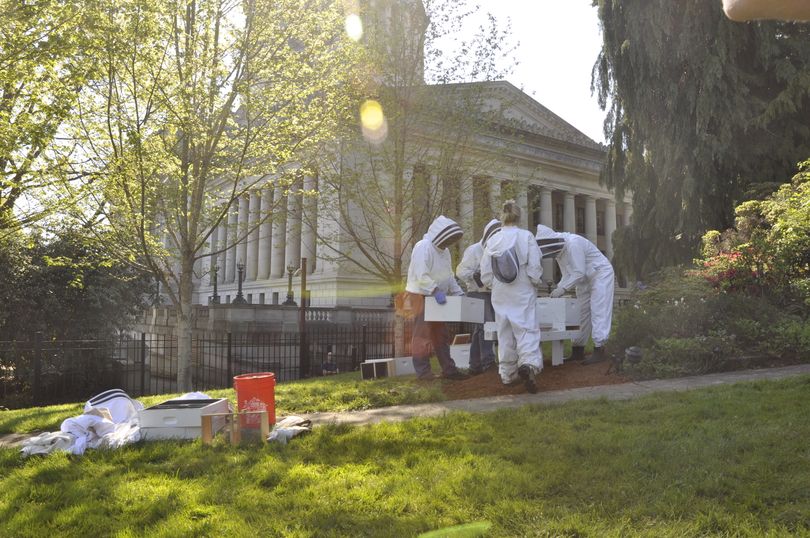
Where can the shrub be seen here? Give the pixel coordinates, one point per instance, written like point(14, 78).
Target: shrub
point(768, 250)
point(687, 326)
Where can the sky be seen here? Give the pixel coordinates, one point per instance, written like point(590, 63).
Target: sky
point(558, 42)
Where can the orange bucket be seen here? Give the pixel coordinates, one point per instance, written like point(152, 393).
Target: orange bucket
point(256, 392)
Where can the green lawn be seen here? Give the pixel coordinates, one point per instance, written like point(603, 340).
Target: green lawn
point(342, 392)
point(726, 461)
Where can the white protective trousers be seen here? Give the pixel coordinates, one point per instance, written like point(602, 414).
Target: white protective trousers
point(595, 300)
point(514, 303)
point(587, 270)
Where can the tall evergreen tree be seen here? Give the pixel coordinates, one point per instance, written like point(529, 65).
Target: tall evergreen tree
point(702, 112)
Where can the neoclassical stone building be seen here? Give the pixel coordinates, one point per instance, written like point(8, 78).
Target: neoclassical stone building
point(526, 152)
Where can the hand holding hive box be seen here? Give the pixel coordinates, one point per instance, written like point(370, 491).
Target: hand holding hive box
point(457, 308)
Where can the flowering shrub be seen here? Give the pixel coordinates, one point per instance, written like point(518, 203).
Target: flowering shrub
point(768, 250)
point(738, 270)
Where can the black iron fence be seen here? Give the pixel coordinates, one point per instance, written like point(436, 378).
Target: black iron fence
point(43, 372)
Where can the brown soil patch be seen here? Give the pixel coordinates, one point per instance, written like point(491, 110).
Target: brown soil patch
point(570, 375)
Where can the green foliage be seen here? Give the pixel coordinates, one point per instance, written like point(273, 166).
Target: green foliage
point(687, 326)
point(47, 56)
point(66, 287)
point(701, 110)
point(725, 461)
point(768, 250)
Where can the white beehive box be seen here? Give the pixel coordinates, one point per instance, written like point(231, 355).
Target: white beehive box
point(378, 368)
point(557, 313)
point(180, 419)
point(457, 308)
point(395, 366)
point(490, 330)
point(460, 353)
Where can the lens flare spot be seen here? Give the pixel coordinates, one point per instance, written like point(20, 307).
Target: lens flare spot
point(373, 122)
point(354, 27)
point(371, 114)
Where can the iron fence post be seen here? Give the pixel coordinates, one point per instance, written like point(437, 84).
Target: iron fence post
point(363, 344)
point(37, 360)
point(143, 363)
point(230, 361)
point(303, 351)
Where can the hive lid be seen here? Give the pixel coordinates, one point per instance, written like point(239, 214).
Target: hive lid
point(185, 404)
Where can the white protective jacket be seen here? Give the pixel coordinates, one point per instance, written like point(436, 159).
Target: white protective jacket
point(514, 303)
point(585, 268)
point(471, 260)
point(431, 267)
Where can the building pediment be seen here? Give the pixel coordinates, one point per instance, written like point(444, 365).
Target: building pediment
point(506, 105)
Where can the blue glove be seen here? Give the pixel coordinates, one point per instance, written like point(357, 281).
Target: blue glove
point(441, 298)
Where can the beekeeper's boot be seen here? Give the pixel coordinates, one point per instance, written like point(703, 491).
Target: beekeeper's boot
point(577, 353)
point(598, 355)
point(526, 373)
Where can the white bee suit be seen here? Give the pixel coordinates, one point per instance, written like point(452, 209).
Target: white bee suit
point(514, 303)
point(585, 268)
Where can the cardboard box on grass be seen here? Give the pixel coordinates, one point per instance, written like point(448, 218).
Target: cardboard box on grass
point(457, 308)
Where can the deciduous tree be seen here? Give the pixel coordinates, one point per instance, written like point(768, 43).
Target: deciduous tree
point(201, 101)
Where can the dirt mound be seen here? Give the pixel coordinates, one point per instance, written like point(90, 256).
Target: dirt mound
point(570, 375)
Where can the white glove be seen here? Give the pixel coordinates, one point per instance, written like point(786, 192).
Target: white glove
point(558, 292)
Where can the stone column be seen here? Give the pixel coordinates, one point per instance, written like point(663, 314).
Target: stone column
point(252, 262)
point(466, 205)
point(279, 233)
point(547, 219)
point(222, 257)
point(233, 220)
point(212, 259)
point(546, 214)
point(310, 222)
point(569, 214)
point(265, 237)
point(242, 228)
point(292, 252)
point(590, 218)
point(495, 201)
point(610, 226)
point(628, 213)
point(522, 199)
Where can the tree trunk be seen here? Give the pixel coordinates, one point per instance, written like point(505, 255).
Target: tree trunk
point(184, 328)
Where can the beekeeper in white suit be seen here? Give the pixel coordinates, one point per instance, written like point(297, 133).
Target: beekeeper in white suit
point(514, 297)
point(430, 273)
point(588, 271)
point(482, 354)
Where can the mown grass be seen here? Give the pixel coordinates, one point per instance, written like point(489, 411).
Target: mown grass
point(725, 461)
point(342, 392)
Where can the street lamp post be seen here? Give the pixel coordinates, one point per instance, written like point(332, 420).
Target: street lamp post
point(290, 300)
point(240, 299)
point(215, 296)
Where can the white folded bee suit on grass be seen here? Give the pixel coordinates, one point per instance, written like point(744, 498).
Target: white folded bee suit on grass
point(110, 420)
point(585, 268)
point(514, 303)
